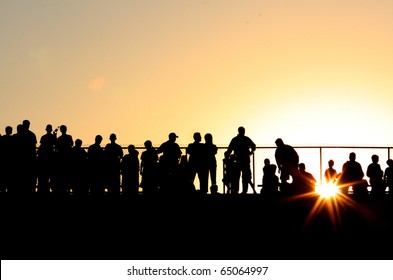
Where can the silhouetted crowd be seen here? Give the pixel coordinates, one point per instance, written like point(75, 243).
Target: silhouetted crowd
point(57, 164)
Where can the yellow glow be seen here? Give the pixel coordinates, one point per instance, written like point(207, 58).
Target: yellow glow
point(326, 190)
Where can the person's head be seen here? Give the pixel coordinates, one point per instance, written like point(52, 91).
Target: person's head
point(331, 163)
point(197, 137)
point(8, 130)
point(267, 161)
point(208, 138)
point(48, 128)
point(352, 156)
point(131, 150)
point(78, 143)
point(241, 130)
point(172, 136)
point(63, 129)
point(302, 167)
point(112, 137)
point(26, 124)
point(98, 139)
point(389, 162)
point(375, 158)
point(148, 144)
point(19, 128)
point(214, 189)
point(279, 142)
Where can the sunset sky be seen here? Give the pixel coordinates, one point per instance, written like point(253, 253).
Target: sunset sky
point(310, 72)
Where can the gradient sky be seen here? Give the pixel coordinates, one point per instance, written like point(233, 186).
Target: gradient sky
point(310, 72)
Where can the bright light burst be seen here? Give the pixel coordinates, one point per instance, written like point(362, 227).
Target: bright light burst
point(326, 190)
point(329, 203)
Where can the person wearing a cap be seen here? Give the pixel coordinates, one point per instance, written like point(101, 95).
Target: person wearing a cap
point(169, 160)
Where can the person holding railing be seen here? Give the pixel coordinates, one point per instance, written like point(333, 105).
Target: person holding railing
point(242, 147)
point(287, 160)
point(169, 163)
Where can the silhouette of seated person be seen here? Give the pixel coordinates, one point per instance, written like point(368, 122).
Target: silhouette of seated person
point(129, 168)
point(375, 174)
point(352, 175)
point(149, 169)
point(287, 160)
point(270, 181)
point(330, 173)
point(303, 181)
point(388, 176)
point(231, 173)
point(169, 163)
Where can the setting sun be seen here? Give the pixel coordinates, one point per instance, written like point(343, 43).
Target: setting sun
point(326, 190)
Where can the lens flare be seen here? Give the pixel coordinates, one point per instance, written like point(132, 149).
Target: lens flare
point(326, 190)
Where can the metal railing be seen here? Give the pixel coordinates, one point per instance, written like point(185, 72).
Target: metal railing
point(315, 158)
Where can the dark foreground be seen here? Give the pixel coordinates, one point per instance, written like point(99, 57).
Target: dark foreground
point(194, 227)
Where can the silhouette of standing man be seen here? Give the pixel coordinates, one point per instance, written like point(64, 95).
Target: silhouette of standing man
point(352, 175)
point(287, 161)
point(113, 155)
point(242, 147)
point(197, 162)
point(169, 161)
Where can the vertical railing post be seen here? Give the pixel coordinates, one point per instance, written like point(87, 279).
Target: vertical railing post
point(253, 169)
point(320, 165)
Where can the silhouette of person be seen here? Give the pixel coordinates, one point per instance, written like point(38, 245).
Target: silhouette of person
point(79, 169)
point(20, 162)
point(231, 175)
point(29, 142)
point(352, 175)
point(129, 168)
point(64, 145)
point(214, 190)
point(287, 161)
point(375, 174)
point(113, 155)
point(211, 162)
point(303, 181)
point(46, 160)
point(242, 147)
point(197, 162)
point(149, 169)
point(169, 162)
point(96, 166)
point(388, 176)
point(330, 173)
point(8, 160)
point(270, 181)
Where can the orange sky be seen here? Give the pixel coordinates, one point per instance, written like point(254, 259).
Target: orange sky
point(311, 72)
